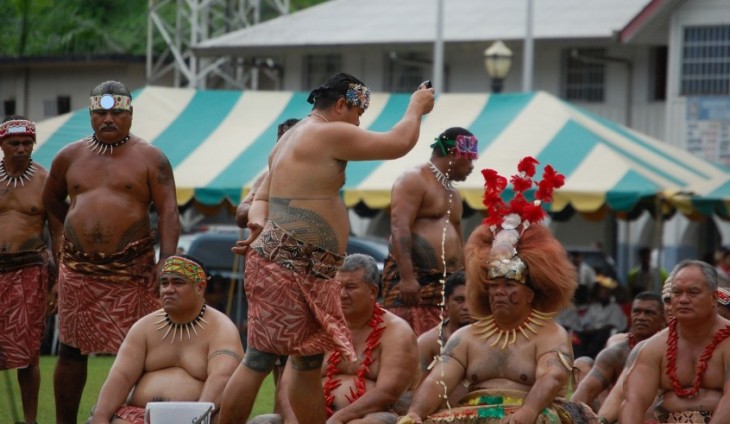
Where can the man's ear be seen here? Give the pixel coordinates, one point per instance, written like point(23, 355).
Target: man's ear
point(341, 105)
point(201, 287)
point(374, 291)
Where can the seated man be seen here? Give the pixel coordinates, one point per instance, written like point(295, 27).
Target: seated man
point(647, 318)
point(432, 342)
point(364, 391)
point(517, 359)
point(185, 351)
point(687, 362)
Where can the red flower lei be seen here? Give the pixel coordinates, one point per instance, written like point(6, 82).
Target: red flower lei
point(701, 365)
point(372, 342)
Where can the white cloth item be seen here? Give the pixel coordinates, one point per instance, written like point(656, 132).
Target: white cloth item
point(598, 316)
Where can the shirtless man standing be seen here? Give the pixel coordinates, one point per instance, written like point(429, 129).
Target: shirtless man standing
point(299, 228)
point(107, 273)
point(688, 361)
point(365, 391)
point(24, 259)
point(185, 351)
point(421, 200)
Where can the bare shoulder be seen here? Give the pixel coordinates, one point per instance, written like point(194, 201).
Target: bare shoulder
point(412, 178)
point(552, 336)
point(147, 324)
point(398, 328)
point(70, 151)
point(653, 348)
point(428, 338)
point(220, 320)
point(153, 153)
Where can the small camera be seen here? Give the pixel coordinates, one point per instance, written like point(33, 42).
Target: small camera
point(427, 84)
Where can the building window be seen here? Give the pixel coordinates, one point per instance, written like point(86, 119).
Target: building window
point(320, 67)
point(9, 107)
point(706, 60)
point(584, 78)
point(63, 104)
point(658, 74)
point(406, 71)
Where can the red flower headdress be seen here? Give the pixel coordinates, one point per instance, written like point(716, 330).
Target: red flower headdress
point(509, 220)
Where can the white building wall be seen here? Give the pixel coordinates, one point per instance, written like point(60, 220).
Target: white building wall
point(31, 87)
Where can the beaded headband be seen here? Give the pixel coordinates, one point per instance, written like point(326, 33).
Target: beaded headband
point(110, 101)
point(509, 220)
point(667, 291)
point(185, 267)
point(723, 297)
point(17, 127)
point(358, 95)
point(466, 146)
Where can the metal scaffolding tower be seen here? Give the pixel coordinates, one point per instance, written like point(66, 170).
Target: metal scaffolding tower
point(174, 26)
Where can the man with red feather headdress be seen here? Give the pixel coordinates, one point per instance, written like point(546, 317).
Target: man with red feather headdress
point(517, 359)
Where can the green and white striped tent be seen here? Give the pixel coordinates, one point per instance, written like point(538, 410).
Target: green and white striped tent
point(218, 143)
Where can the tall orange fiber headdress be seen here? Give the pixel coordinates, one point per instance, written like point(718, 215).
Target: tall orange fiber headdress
point(506, 245)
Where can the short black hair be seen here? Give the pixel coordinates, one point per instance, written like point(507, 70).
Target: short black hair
point(449, 134)
point(15, 118)
point(284, 127)
point(331, 90)
point(651, 296)
point(111, 87)
point(453, 281)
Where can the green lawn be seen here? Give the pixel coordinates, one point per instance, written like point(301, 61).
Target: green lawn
point(98, 369)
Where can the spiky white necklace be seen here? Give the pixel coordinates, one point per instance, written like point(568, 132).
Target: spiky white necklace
point(487, 327)
point(184, 327)
point(443, 179)
point(15, 179)
point(97, 146)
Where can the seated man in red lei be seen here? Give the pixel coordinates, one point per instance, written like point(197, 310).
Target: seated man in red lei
point(368, 389)
point(687, 362)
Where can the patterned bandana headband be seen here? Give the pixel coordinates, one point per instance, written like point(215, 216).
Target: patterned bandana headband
point(110, 101)
point(509, 220)
point(466, 146)
point(17, 127)
point(185, 267)
point(358, 95)
point(723, 297)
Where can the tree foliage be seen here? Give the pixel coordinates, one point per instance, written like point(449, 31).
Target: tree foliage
point(79, 27)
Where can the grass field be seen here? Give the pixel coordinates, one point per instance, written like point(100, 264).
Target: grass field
point(98, 369)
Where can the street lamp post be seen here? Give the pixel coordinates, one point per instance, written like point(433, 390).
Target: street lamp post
point(497, 61)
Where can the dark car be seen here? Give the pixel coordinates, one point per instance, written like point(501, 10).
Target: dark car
point(214, 250)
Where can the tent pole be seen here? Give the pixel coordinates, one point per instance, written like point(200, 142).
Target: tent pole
point(658, 241)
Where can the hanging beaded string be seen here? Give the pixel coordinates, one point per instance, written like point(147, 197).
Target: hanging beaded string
point(442, 281)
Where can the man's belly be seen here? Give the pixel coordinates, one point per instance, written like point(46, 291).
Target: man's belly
point(168, 384)
point(706, 400)
point(341, 393)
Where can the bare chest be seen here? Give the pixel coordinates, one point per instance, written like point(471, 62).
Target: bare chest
point(510, 363)
point(90, 171)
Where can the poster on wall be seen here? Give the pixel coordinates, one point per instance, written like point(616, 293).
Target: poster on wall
point(708, 128)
